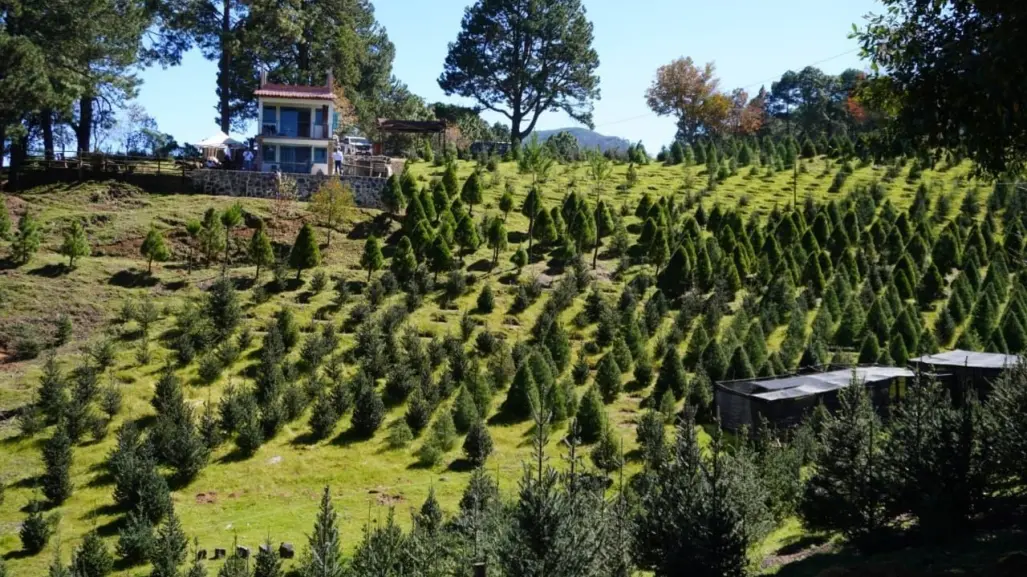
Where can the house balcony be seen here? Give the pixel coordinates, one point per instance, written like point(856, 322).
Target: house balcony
point(300, 130)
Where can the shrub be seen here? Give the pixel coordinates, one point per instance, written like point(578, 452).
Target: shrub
point(368, 412)
point(210, 367)
point(606, 455)
point(400, 435)
point(35, 531)
point(465, 410)
point(486, 301)
point(318, 282)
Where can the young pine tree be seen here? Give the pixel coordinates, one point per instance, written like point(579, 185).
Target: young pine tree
point(154, 249)
point(324, 548)
point(371, 260)
point(305, 253)
point(75, 244)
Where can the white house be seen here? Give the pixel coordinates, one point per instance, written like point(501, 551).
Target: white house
point(296, 127)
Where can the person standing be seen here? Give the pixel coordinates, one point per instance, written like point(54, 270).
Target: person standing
point(337, 157)
point(247, 158)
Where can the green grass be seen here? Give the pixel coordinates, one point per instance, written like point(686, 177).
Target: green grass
point(275, 492)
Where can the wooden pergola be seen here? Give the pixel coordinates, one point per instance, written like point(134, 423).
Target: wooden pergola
point(418, 127)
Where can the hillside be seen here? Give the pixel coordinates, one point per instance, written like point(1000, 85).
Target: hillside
point(275, 491)
point(588, 138)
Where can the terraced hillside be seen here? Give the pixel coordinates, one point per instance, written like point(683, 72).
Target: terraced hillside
point(859, 247)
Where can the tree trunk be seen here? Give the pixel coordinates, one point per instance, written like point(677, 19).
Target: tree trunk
point(257, 278)
point(369, 271)
point(46, 122)
point(223, 66)
point(228, 232)
point(595, 254)
point(3, 141)
point(149, 266)
point(18, 151)
point(84, 130)
point(531, 230)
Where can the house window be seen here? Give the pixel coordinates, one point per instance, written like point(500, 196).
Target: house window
point(320, 155)
point(269, 124)
point(269, 153)
point(295, 159)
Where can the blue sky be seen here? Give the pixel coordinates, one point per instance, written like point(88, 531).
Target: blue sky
point(751, 41)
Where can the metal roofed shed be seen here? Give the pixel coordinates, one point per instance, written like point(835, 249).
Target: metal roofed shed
point(958, 367)
point(783, 401)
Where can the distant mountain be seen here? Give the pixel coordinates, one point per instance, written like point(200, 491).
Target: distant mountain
point(588, 138)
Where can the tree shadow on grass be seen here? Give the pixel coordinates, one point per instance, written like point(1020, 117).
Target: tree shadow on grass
point(106, 510)
point(305, 439)
point(15, 555)
point(480, 265)
point(50, 270)
point(349, 437)
point(243, 283)
point(130, 278)
point(461, 465)
point(111, 528)
point(236, 455)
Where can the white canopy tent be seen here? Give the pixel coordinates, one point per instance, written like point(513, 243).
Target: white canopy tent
point(218, 145)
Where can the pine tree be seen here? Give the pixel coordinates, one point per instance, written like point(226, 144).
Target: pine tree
point(621, 353)
point(260, 251)
point(739, 366)
point(523, 396)
point(154, 249)
point(305, 253)
point(324, 416)
point(519, 259)
point(371, 260)
point(324, 555)
point(471, 191)
point(404, 261)
point(5, 219)
point(591, 417)
point(869, 351)
point(712, 360)
point(671, 376)
point(478, 443)
point(35, 531)
point(465, 412)
point(846, 490)
point(169, 548)
point(368, 411)
point(897, 349)
point(56, 481)
point(92, 558)
point(606, 455)
point(75, 244)
point(392, 195)
point(266, 563)
point(908, 329)
point(440, 258)
point(544, 229)
point(608, 378)
point(52, 398)
point(135, 539)
point(466, 236)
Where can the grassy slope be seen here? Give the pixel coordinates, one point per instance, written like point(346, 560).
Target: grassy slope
point(275, 491)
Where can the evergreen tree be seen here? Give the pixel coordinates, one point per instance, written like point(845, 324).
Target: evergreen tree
point(449, 179)
point(169, 548)
point(35, 531)
point(324, 549)
point(267, 563)
point(621, 353)
point(608, 378)
point(368, 411)
point(712, 360)
point(135, 539)
point(739, 366)
point(519, 259)
point(440, 258)
point(671, 376)
point(56, 480)
point(323, 417)
point(471, 191)
point(591, 416)
point(466, 235)
point(478, 443)
point(222, 308)
point(606, 455)
point(897, 349)
point(497, 238)
point(392, 195)
point(75, 244)
point(465, 412)
point(506, 203)
point(846, 490)
point(260, 251)
point(154, 249)
point(92, 558)
point(305, 253)
point(523, 396)
point(404, 261)
point(371, 260)
point(908, 329)
point(52, 397)
point(5, 220)
point(544, 229)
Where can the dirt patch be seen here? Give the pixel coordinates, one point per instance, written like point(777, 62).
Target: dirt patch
point(16, 206)
point(274, 460)
point(209, 498)
point(775, 560)
point(385, 499)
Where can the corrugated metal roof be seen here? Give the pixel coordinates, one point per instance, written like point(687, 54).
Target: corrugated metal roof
point(288, 91)
point(961, 358)
point(818, 383)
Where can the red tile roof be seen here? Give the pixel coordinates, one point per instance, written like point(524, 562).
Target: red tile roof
point(288, 91)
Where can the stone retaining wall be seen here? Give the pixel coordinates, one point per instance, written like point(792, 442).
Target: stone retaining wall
point(367, 190)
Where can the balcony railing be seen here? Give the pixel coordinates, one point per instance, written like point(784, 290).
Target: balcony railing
point(303, 130)
point(289, 167)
